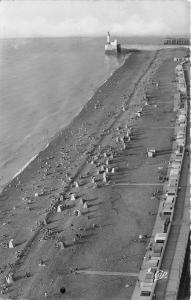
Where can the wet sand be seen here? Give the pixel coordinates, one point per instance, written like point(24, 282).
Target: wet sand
point(107, 231)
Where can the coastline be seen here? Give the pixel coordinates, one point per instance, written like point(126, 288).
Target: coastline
point(60, 131)
point(67, 155)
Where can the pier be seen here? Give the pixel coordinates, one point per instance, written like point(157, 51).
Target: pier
point(177, 41)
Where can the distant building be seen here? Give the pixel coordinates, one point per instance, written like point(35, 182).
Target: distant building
point(112, 47)
point(177, 41)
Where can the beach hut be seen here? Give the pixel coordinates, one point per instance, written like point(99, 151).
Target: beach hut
point(157, 248)
point(149, 275)
point(178, 158)
point(176, 165)
point(146, 289)
point(173, 182)
point(160, 237)
point(171, 191)
point(174, 173)
point(167, 211)
point(153, 262)
point(170, 199)
point(151, 152)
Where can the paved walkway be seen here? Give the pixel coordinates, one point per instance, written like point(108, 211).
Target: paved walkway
point(173, 258)
point(106, 273)
point(171, 244)
point(140, 184)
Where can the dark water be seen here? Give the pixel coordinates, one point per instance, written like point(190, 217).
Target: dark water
point(44, 83)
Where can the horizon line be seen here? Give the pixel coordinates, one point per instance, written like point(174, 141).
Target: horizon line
point(97, 36)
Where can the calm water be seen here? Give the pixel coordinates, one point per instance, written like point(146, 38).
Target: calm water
point(44, 83)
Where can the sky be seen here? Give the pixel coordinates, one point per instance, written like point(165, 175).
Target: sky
point(59, 18)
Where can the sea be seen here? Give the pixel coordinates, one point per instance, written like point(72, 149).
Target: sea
point(44, 84)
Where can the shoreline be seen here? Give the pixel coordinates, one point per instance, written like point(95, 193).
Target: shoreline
point(60, 131)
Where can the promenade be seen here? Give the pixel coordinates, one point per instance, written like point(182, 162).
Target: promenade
point(171, 259)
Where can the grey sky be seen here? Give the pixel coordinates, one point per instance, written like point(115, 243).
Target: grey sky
point(73, 18)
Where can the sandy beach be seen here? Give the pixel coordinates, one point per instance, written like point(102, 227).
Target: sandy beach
point(77, 206)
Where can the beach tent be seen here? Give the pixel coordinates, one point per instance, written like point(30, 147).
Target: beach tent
point(151, 152)
point(11, 244)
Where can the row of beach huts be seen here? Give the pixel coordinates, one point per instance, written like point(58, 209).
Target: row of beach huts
point(151, 268)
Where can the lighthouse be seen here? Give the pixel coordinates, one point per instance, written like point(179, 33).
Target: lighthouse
point(108, 38)
point(112, 47)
